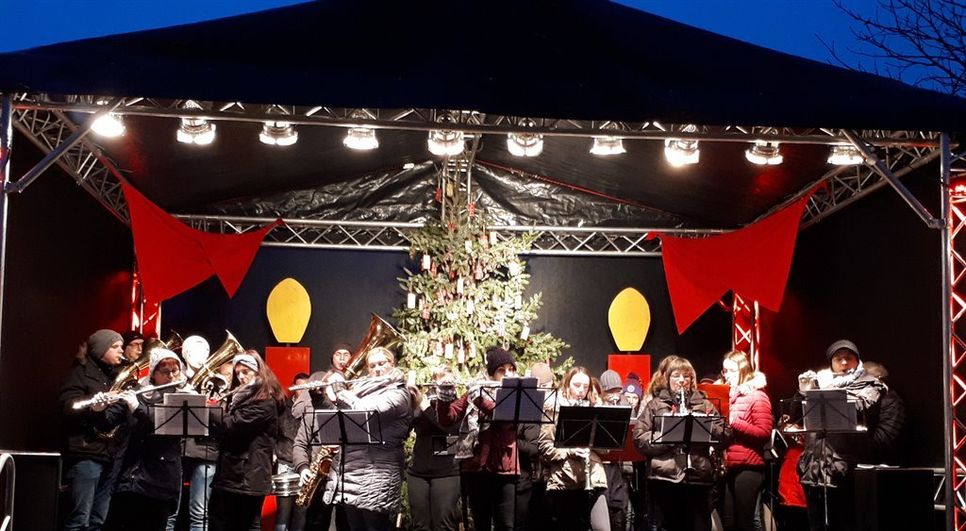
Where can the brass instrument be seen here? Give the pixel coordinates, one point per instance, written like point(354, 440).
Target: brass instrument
point(206, 379)
point(319, 471)
point(103, 399)
point(380, 334)
point(128, 376)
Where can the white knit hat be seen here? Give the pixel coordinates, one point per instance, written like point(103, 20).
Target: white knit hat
point(247, 360)
point(160, 354)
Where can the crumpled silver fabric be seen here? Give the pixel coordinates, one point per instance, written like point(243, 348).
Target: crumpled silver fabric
point(407, 195)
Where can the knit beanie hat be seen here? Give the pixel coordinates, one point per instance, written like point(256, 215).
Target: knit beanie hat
point(130, 336)
point(610, 380)
point(839, 345)
point(247, 360)
point(542, 372)
point(496, 357)
point(633, 386)
point(160, 354)
point(100, 341)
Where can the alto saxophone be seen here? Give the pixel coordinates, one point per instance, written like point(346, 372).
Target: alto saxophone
point(318, 470)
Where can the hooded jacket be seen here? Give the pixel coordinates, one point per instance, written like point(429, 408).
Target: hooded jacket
point(669, 462)
point(373, 472)
point(751, 424)
point(563, 470)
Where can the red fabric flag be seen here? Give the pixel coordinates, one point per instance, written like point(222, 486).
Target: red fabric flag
point(753, 261)
point(173, 257)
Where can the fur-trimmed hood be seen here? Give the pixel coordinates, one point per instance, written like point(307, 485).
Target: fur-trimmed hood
point(756, 383)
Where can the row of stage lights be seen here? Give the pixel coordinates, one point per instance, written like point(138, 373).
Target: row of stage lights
point(451, 142)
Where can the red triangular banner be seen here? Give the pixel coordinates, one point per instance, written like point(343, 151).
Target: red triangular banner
point(173, 257)
point(753, 261)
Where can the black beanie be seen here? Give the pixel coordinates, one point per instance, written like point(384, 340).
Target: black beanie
point(100, 341)
point(131, 336)
point(497, 356)
point(839, 345)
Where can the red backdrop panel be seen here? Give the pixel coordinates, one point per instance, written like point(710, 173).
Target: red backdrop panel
point(718, 394)
point(286, 362)
point(628, 363)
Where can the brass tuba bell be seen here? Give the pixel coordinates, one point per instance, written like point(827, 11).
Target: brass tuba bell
point(128, 376)
point(206, 379)
point(380, 334)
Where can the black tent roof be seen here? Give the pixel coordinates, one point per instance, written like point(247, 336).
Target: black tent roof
point(577, 59)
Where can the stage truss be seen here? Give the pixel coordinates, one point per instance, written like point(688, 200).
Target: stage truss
point(955, 369)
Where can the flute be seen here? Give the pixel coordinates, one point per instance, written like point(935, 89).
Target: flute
point(322, 383)
point(103, 399)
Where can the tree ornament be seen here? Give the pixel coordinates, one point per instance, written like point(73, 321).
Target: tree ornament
point(425, 313)
point(411, 300)
point(426, 262)
point(448, 351)
point(471, 209)
point(525, 332)
point(468, 246)
point(514, 268)
point(438, 196)
point(518, 301)
point(459, 285)
point(470, 307)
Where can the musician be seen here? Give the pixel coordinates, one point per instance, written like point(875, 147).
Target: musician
point(539, 510)
point(305, 450)
point(339, 361)
point(89, 458)
point(133, 345)
point(617, 489)
point(246, 434)
point(679, 477)
point(371, 486)
point(751, 424)
point(487, 450)
point(433, 478)
point(150, 481)
point(288, 516)
point(831, 458)
point(570, 490)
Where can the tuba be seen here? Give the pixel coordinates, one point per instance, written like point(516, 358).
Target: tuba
point(380, 334)
point(128, 376)
point(206, 379)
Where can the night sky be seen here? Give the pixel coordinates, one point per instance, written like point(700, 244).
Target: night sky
point(791, 26)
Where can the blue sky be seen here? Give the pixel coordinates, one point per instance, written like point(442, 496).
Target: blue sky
point(787, 25)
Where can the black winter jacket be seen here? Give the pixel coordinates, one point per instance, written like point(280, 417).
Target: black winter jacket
point(246, 435)
point(83, 428)
point(152, 463)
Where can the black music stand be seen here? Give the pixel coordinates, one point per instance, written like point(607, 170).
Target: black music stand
point(687, 430)
point(186, 415)
point(520, 401)
point(344, 427)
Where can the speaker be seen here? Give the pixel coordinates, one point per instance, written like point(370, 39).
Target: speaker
point(894, 498)
point(37, 488)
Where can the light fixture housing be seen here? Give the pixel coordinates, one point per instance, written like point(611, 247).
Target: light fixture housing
point(845, 155)
point(445, 142)
point(524, 144)
point(361, 139)
point(607, 145)
point(108, 125)
point(680, 152)
point(196, 131)
point(763, 152)
point(278, 133)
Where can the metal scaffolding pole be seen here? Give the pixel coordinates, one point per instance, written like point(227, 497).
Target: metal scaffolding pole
point(6, 144)
point(949, 348)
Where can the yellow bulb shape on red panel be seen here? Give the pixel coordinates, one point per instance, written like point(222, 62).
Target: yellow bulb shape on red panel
point(289, 309)
point(629, 318)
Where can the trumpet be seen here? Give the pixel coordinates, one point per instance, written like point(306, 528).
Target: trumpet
point(110, 397)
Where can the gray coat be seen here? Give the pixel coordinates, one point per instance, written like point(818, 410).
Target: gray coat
point(373, 472)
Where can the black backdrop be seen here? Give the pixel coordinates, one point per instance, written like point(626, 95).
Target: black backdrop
point(345, 286)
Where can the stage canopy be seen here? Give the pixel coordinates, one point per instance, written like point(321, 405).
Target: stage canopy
point(568, 69)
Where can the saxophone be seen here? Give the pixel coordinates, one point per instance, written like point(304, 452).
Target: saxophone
point(319, 470)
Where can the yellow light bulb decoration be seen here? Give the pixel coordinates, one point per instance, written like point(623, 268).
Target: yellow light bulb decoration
point(289, 309)
point(629, 318)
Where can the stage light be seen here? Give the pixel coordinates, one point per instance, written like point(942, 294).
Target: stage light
point(445, 143)
point(108, 125)
point(845, 156)
point(195, 130)
point(607, 145)
point(764, 153)
point(680, 152)
point(278, 134)
point(361, 138)
point(525, 144)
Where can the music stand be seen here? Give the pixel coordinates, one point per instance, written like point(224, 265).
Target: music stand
point(520, 401)
point(344, 427)
point(687, 430)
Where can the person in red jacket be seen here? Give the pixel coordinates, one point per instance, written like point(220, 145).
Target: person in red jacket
point(751, 424)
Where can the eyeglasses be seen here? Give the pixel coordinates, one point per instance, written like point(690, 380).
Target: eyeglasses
point(169, 372)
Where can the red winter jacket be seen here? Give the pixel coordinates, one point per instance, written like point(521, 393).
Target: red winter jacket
point(751, 424)
point(496, 448)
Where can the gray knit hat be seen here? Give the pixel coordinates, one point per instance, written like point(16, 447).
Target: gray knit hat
point(610, 380)
point(100, 341)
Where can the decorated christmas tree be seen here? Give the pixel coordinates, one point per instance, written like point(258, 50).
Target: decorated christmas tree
point(467, 293)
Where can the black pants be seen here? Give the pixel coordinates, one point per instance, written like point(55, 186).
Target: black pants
point(841, 506)
point(228, 511)
point(538, 508)
point(434, 502)
point(135, 512)
point(318, 515)
point(492, 499)
point(681, 507)
point(742, 487)
point(289, 514)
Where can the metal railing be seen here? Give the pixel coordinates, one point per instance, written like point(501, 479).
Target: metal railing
point(6, 459)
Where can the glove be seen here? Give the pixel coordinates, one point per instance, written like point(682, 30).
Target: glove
point(807, 380)
point(131, 399)
point(446, 392)
point(304, 477)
